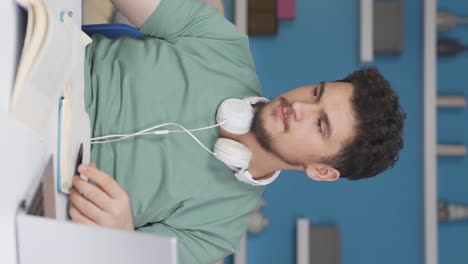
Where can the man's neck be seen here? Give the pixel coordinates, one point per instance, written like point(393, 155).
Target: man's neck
point(263, 164)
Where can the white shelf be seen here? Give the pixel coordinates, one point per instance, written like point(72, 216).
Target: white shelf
point(430, 133)
point(366, 34)
point(240, 14)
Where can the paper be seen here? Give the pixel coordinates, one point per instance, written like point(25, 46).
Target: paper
point(53, 47)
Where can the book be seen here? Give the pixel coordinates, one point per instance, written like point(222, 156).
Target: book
point(51, 72)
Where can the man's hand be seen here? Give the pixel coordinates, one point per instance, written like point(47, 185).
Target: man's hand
point(105, 205)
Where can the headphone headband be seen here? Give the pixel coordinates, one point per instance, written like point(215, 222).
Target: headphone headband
point(248, 178)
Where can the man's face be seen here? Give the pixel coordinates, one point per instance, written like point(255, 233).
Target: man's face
point(308, 123)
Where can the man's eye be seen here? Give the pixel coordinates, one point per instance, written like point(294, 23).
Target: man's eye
point(319, 125)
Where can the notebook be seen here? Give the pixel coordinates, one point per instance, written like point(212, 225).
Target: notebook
point(51, 67)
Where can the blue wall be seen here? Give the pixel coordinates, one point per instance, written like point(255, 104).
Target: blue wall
point(381, 219)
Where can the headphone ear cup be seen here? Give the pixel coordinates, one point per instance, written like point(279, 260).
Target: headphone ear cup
point(234, 154)
point(236, 116)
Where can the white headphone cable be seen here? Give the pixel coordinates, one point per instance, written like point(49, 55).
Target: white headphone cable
point(158, 132)
point(153, 133)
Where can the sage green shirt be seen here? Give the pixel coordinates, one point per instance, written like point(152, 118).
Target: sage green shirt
point(189, 60)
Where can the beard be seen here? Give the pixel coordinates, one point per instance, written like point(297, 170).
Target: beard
point(264, 138)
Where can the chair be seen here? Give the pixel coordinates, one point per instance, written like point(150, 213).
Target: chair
point(111, 30)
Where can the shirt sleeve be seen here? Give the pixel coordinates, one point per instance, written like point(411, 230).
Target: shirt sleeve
point(189, 18)
point(193, 246)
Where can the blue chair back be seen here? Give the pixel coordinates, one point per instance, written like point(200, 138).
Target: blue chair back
point(111, 30)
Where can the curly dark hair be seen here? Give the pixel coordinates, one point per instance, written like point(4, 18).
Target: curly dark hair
point(379, 129)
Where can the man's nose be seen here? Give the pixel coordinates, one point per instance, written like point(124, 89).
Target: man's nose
point(303, 110)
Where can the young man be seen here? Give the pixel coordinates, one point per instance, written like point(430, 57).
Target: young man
point(189, 61)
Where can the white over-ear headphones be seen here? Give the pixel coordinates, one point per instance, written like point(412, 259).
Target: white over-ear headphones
point(233, 115)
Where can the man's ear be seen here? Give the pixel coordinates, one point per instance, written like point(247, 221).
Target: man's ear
point(322, 172)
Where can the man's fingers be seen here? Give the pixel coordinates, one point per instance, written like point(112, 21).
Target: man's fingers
point(91, 192)
point(85, 207)
point(103, 180)
point(78, 217)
